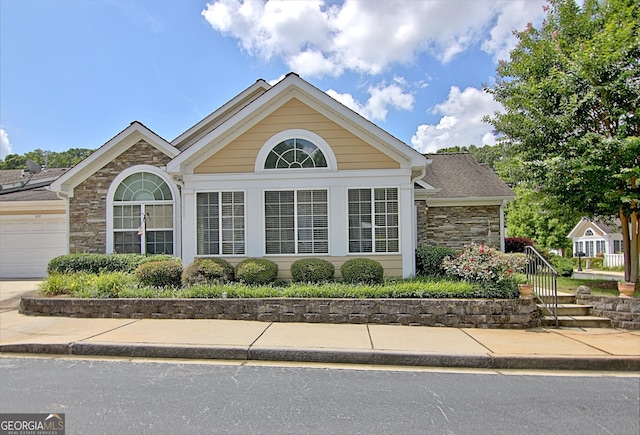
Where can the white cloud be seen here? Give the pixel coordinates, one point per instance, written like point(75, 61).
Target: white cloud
point(514, 15)
point(315, 39)
point(5, 145)
point(380, 98)
point(461, 122)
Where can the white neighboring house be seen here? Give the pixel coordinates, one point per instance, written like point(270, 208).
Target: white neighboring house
point(598, 239)
point(33, 223)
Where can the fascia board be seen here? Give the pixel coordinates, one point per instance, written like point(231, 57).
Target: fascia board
point(222, 111)
point(574, 232)
point(460, 202)
point(359, 126)
point(426, 192)
point(103, 155)
point(294, 87)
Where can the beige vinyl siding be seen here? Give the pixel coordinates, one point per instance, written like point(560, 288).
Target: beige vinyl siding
point(351, 152)
point(392, 264)
point(48, 207)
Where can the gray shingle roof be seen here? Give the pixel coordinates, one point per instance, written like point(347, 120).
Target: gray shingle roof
point(459, 175)
point(11, 181)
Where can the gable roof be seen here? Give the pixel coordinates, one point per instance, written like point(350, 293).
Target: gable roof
point(213, 120)
point(599, 224)
point(124, 140)
point(460, 178)
point(292, 86)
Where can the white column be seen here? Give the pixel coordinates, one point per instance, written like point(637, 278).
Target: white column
point(408, 231)
point(189, 247)
point(254, 218)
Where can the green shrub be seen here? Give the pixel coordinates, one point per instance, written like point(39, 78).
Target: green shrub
point(98, 263)
point(111, 284)
point(564, 266)
point(63, 284)
point(159, 274)
point(256, 271)
point(362, 270)
point(312, 270)
point(208, 271)
point(429, 260)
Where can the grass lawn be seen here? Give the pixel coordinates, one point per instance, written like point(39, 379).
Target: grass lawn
point(597, 286)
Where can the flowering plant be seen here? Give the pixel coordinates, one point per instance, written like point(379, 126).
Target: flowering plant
point(481, 263)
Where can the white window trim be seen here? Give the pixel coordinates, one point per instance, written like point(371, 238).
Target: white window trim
point(332, 164)
point(295, 221)
point(373, 225)
point(244, 217)
point(176, 204)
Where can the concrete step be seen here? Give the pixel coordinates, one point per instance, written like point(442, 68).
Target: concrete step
point(577, 322)
point(563, 298)
point(567, 310)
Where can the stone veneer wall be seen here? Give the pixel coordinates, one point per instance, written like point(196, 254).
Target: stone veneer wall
point(623, 312)
point(458, 226)
point(87, 207)
point(467, 313)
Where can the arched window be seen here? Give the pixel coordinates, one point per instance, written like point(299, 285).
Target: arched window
point(143, 215)
point(588, 233)
point(295, 153)
point(296, 149)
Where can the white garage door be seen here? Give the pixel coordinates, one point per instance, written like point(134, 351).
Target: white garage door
point(27, 243)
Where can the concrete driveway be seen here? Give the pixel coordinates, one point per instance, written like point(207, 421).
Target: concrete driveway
point(11, 291)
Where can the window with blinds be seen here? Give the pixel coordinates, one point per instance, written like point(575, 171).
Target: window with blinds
point(373, 220)
point(296, 222)
point(220, 223)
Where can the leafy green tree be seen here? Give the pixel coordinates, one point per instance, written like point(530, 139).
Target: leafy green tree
point(571, 94)
point(64, 159)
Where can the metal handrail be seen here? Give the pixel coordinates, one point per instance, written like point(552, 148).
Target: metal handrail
point(544, 278)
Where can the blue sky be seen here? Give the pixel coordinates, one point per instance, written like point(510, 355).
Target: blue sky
point(73, 73)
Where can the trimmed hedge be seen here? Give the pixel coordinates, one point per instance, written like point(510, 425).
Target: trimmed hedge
point(256, 271)
point(362, 270)
point(97, 263)
point(160, 274)
point(312, 270)
point(208, 271)
point(429, 260)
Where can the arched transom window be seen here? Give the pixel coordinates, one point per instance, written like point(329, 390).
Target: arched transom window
point(143, 215)
point(588, 233)
point(295, 153)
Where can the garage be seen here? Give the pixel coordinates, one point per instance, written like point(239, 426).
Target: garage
point(28, 242)
point(33, 223)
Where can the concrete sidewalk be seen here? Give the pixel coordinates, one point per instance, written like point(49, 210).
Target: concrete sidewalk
point(554, 349)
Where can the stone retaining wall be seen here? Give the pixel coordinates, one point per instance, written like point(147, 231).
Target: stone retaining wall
point(467, 313)
point(623, 312)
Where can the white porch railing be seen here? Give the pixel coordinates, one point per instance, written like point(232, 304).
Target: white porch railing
point(613, 260)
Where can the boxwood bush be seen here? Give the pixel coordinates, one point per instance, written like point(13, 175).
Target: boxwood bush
point(429, 260)
point(208, 271)
point(362, 270)
point(564, 266)
point(312, 270)
point(256, 271)
point(98, 263)
point(160, 274)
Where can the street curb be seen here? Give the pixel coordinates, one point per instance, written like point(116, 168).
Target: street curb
point(411, 359)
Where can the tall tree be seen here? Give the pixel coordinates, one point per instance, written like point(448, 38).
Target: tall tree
point(571, 94)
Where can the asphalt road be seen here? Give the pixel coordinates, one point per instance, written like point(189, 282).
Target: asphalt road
point(141, 397)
